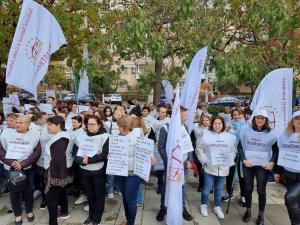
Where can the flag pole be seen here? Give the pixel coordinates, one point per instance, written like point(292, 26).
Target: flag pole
point(75, 87)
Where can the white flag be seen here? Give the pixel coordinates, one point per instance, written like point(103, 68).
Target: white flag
point(168, 90)
point(175, 169)
point(84, 79)
point(37, 36)
point(274, 94)
point(191, 89)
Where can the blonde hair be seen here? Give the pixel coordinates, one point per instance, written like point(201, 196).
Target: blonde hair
point(25, 119)
point(125, 123)
point(137, 122)
point(290, 129)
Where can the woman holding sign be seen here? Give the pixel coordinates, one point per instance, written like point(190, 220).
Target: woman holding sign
point(129, 185)
point(216, 152)
point(19, 150)
point(91, 150)
point(289, 161)
point(258, 152)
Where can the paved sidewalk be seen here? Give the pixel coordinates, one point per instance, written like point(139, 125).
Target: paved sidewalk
point(276, 213)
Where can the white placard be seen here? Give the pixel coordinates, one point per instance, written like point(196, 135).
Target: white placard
point(28, 106)
point(289, 158)
point(50, 93)
point(18, 151)
point(87, 147)
point(159, 162)
point(186, 142)
point(118, 156)
point(220, 157)
point(83, 108)
point(15, 100)
point(257, 158)
point(47, 108)
point(6, 106)
point(142, 162)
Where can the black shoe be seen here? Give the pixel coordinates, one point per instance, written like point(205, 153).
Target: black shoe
point(260, 220)
point(246, 216)
point(186, 216)
point(226, 198)
point(43, 204)
point(31, 218)
point(158, 191)
point(18, 222)
point(161, 215)
point(87, 221)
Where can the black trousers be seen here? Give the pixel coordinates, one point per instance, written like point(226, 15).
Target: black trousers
point(94, 187)
point(201, 176)
point(56, 196)
point(229, 180)
point(262, 176)
point(292, 199)
point(39, 181)
point(27, 195)
point(160, 178)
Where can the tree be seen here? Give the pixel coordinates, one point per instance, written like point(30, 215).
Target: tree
point(55, 76)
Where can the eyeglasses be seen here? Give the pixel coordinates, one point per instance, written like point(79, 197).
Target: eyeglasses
point(92, 124)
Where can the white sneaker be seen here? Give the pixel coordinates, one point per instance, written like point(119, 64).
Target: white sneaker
point(219, 213)
point(110, 196)
point(82, 199)
point(203, 209)
point(86, 208)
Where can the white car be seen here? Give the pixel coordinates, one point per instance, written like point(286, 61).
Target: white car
point(70, 97)
point(113, 98)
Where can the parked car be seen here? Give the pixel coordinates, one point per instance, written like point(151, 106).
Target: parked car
point(227, 101)
point(70, 97)
point(113, 98)
point(86, 98)
point(25, 95)
point(162, 100)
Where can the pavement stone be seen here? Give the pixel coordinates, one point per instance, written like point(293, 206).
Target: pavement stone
point(276, 213)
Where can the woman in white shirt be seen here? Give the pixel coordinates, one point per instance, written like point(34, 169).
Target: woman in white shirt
point(27, 142)
point(289, 148)
point(216, 152)
point(258, 152)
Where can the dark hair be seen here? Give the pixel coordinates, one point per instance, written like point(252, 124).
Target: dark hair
point(85, 120)
point(51, 98)
point(183, 109)
point(146, 108)
point(105, 108)
point(211, 128)
point(39, 115)
point(101, 114)
point(161, 106)
point(57, 120)
point(96, 118)
point(78, 118)
point(266, 127)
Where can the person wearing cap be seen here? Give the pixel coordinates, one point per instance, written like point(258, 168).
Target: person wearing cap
point(258, 151)
point(289, 145)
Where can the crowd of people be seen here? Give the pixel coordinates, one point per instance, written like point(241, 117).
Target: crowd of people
point(45, 148)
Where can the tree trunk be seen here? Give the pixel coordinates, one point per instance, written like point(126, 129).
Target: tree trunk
point(2, 83)
point(157, 85)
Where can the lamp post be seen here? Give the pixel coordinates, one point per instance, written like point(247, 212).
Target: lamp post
point(59, 87)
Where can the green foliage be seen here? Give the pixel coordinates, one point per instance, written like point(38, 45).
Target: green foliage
point(55, 76)
point(215, 110)
point(145, 83)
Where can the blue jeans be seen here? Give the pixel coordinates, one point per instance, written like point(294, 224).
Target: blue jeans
point(129, 187)
point(109, 186)
point(217, 182)
point(139, 198)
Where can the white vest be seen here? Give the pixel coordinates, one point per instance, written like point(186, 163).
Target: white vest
point(100, 141)
point(47, 154)
point(45, 137)
point(252, 140)
point(292, 143)
point(213, 141)
point(11, 137)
